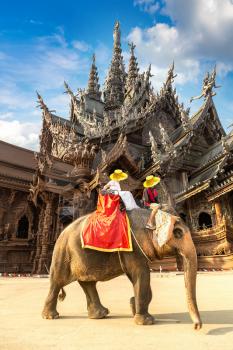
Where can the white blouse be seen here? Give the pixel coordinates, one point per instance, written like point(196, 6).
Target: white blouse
point(113, 185)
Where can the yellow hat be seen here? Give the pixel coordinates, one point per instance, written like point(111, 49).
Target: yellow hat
point(118, 175)
point(151, 181)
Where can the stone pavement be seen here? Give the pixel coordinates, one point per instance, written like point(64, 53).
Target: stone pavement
point(22, 328)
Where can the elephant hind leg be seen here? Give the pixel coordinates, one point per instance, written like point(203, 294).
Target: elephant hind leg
point(50, 307)
point(94, 307)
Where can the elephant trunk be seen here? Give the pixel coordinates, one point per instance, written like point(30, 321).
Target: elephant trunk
point(190, 274)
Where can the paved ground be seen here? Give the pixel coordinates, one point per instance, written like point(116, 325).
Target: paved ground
point(22, 328)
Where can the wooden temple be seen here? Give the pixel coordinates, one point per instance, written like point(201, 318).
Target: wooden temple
point(129, 126)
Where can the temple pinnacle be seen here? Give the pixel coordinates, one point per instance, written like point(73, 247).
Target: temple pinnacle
point(115, 81)
point(93, 88)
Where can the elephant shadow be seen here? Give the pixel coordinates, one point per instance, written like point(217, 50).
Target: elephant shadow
point(220, 331)
point(216, 317)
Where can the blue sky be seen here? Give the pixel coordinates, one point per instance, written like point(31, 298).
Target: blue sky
point(44, 43)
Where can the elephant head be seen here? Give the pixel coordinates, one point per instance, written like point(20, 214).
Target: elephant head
point(178, 239)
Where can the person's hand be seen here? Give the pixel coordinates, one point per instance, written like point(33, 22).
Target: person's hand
point(103, 192)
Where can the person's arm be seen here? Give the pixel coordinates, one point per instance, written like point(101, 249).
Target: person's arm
point(145, 196)
point(107, 186)
point(156, 196)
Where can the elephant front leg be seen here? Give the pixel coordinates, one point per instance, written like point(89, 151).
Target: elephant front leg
point(94, 307)
point(142, 297)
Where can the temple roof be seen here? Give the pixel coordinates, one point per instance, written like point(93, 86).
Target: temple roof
point(212, 165)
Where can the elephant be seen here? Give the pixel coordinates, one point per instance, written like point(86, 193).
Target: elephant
point(70, 262)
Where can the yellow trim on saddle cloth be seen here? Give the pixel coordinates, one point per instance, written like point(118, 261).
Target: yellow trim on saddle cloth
point(130, 249)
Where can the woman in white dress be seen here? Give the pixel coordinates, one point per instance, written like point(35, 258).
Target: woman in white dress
point(114, 186)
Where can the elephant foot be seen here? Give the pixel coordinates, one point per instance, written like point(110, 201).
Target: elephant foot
point(50, 314)
point(97, 312)
point(145, 320)
point(132, 305)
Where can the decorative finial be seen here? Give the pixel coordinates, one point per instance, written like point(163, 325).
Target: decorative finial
point(115, 81)
point(93, 89)
point(133, 69)
point(132, 47)
point(165, 139)
point(117, 34)
point(207, 86)
point(170, 75)
point(155, 152)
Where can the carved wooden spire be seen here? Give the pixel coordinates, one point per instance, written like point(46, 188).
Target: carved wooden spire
point(186, 123)
point(155, 152)
point(43, 157)
point(170, 76)
point(93, 89)
point(133, 68)
point(165, 139)
point(115, 82)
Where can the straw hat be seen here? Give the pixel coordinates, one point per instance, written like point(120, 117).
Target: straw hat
point(151, 181)
point(118, 175)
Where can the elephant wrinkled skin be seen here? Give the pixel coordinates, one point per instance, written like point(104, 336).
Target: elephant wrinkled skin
point(72, 263)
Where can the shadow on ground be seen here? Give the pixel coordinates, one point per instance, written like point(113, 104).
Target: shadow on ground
point(208, 317)
point(220, 331)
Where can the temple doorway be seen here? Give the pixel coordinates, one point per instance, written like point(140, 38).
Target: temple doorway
point(204, 221)
point(23, 226)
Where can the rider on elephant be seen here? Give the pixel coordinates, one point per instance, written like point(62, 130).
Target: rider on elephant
point(160, 222)
point(150, 199)
point(114, 186)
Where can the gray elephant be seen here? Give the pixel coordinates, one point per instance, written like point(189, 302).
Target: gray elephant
point(71, 263)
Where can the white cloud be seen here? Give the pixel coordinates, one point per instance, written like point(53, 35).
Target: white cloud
point(21, 134)
point(149, 6)
point(201, 33)
point(160, 45)
point(32, 21)
point(6, 115)
point(13, 98)
point(81, 45)
point(41, 65)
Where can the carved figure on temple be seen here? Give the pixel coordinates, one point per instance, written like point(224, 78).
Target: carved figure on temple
point(208, 85)
point(170, 76)
point(71, 263)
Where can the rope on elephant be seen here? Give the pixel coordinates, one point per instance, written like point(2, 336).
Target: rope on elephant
point(140, 246)
point(142, 251)
point(121, 263)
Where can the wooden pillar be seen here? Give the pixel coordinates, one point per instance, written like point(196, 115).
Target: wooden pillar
point(38, 241)
point(218, 211)
point(43, 261)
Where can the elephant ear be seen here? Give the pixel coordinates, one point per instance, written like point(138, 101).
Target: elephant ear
point(164, 227)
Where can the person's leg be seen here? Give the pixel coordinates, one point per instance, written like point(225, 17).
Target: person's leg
point(151, 225)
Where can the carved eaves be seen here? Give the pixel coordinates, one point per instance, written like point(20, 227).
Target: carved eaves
point(119, 154)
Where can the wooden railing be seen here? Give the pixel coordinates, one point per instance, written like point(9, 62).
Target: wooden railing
point(214, 233)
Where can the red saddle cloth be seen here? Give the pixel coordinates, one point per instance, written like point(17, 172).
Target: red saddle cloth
point(107, 229)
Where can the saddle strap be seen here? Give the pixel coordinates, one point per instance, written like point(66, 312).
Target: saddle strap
point(142, 251)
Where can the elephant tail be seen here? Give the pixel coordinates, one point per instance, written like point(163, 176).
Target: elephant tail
point(62, 295)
